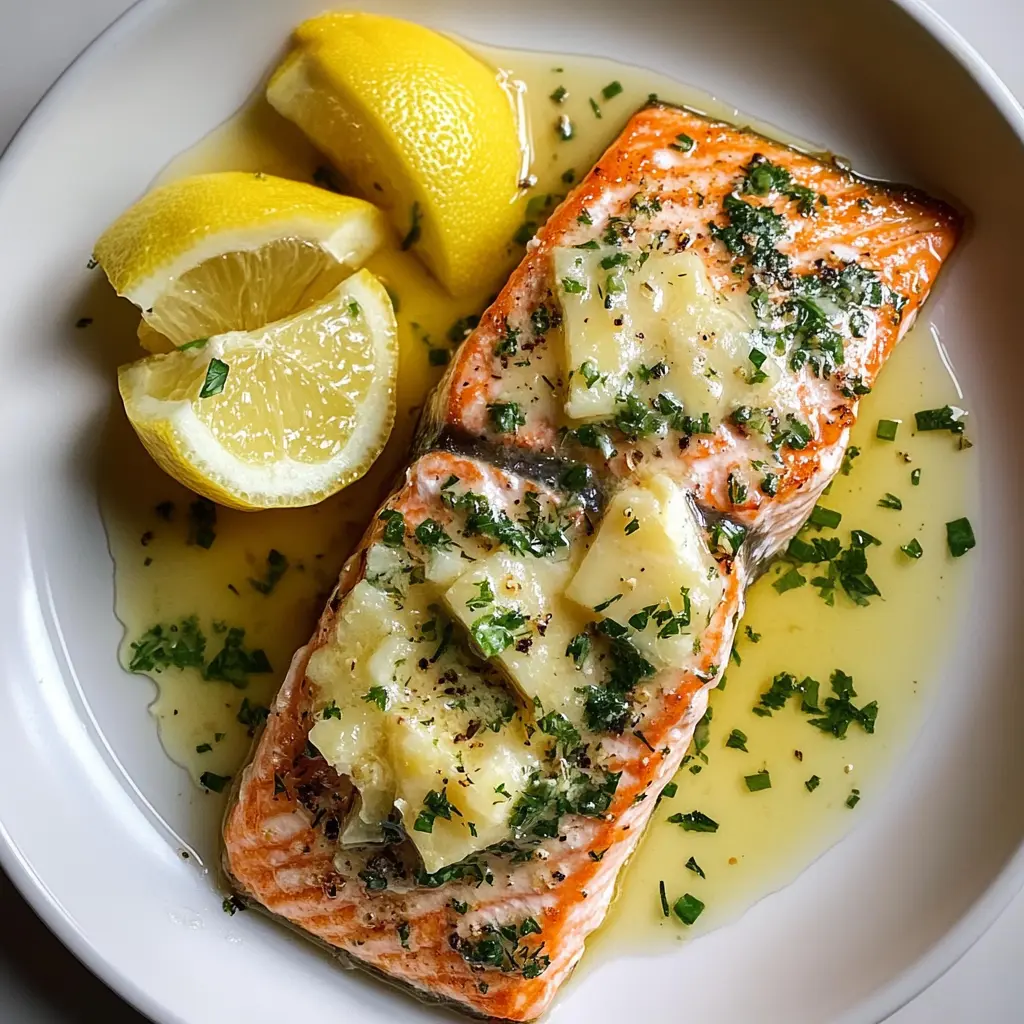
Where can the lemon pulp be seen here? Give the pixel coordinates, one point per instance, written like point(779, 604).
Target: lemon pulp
point(285, 415)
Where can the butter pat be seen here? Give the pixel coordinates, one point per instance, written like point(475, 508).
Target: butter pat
point(650, 553)
point(626, 311)
point(534, 590)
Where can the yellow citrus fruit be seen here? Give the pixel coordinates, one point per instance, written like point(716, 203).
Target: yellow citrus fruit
point(233, 251)
point(281, 416)
point(417, 124)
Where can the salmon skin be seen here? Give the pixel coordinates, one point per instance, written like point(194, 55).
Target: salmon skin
point(835, 269)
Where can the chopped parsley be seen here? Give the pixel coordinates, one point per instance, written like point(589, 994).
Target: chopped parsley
point(683, 143)
point(232, 904)
point(234, 664)
point(497, 631)
point(375, 695)
point(890, 501)
point(607, 708)
point(789, 581)
point(887, 430)
point(812, 783)
point(179, 645)
point(461, 329)
point(202, 518)
point(216, 378)
point(694, 821)
point(840, 712)
point(431, 535)
point(213, 782)
point(959, 537)
point(846, 568)
point(758, 781)
point(949, 417)
point(561, 730)
point(435, 805)
point(578, 648)
point(826, 518)
point(853, 799)
point(502, 947)
point(484, 596)
point(687, 908)
point(611, 90)
point(692, 865)
point(737, 740)
point(751, 233)
point(912, 549)
point(412, 236)
point(277, 566)
point(851, 453)
point(393, 534)
point(254, 715)
point(763, 178)
point(508, 345)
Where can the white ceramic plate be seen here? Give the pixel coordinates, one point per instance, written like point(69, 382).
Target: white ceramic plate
point(95, 819)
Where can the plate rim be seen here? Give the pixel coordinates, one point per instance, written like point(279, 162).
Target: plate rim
point(886, 1000)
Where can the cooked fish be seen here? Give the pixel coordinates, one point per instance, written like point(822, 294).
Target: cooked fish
point(511, 668)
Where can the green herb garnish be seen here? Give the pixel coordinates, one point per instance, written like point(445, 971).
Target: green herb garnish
point(213, 782)
point(694, 821)
point(959, 537)
point(431, 535)
point(737, 740)
point(277, 566)
point(688, 908)
point(375, 695)
point(912, 549)
point(506, 417)
point(949, 418)
point(180, 645)
point(412, 236)
point(498, 631)
point(393, 534)
point(216, 378)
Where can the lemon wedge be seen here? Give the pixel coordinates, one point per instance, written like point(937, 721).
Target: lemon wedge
point(420, 126)
point(233, 251)
point(281, 416)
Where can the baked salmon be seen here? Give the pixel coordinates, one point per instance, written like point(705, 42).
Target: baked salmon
point(511, 668)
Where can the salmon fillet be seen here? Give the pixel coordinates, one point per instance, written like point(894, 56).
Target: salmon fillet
point(499, 932)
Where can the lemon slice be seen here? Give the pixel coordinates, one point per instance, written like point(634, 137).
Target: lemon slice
point(281, 416)
point(420, 126)
point(233, 251)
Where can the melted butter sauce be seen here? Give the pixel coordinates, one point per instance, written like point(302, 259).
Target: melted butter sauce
point(766, 838)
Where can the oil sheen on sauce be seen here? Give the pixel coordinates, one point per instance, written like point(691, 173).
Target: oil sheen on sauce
point(764, 838)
